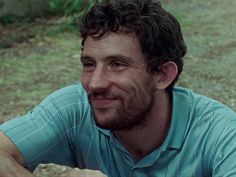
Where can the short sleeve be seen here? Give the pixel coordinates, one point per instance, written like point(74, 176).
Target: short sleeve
point(224, 162)
point(45, 134)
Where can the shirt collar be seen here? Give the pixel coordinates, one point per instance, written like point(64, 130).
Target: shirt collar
point(179, 120)
point(104, 131)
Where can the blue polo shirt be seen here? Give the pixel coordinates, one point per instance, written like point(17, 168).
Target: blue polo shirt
point(201, 140)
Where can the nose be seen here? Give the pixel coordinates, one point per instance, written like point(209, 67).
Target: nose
point(99, 81)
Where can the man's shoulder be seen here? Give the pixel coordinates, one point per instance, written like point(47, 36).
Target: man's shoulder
point(71, 93)
point(67, 99)
point(200, 100)
point(203, 108)
point(75, 88)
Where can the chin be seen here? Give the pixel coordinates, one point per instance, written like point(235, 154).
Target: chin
point(103, 121)
point(106, 121)
point(116, 120)
point(116, 123)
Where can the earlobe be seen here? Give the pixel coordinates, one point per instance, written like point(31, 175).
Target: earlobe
point(167, 75)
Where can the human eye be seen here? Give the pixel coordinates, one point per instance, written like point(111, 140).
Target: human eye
point(118, 65)
point(88, 65)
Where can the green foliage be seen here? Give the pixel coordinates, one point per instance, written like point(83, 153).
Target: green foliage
point(10, 19)
point(7, 19)
point(72, 8)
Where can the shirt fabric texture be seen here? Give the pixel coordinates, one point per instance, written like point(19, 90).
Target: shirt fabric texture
point(201, 141)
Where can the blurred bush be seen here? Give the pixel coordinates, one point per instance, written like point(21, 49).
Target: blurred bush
point(71, 8)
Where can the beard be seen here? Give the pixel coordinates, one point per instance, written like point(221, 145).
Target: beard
point(130, 113)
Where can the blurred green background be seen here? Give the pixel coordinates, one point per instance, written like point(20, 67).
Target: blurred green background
point(40, 53)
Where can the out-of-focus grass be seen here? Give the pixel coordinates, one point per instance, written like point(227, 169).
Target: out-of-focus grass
point(209, 31)
point(34, 68)
point(37, 66)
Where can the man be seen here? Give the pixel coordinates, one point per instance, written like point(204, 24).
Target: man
point(126, 118)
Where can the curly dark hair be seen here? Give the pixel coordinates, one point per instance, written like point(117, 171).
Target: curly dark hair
point(158, 31)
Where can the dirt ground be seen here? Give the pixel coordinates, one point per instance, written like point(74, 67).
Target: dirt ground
point(38, 58)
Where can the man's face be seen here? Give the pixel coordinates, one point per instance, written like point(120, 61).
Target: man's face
point(114, 75)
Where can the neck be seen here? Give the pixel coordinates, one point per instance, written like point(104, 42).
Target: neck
point(142, 140)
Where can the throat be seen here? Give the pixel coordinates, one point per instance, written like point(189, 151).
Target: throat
point(140, 154)
point(138, 145)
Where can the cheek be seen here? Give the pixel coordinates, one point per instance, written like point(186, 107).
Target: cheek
point(129, 87)
point(143, 89)
point(124, 83)
point(85, 81)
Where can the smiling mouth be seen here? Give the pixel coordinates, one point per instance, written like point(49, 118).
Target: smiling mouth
point(102, 100)
point(102, 103)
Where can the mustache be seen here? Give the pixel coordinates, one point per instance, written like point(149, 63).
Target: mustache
point(102, 96)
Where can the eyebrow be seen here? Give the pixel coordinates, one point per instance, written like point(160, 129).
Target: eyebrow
point(119, 57)
point(113, 57)
point(82, 58)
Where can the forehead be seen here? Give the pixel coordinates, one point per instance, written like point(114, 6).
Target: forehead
point(113, 44)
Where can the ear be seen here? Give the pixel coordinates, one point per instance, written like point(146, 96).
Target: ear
point(167, 75)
